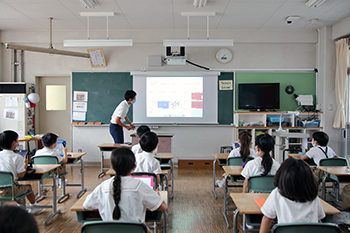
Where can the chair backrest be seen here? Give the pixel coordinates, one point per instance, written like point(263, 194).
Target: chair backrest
point(45, 159)
point(6, 179)
point(113, 227)
point(306, 228)
point(138, 174)
point(237, 161)
point(333, 162)
point(261, 184)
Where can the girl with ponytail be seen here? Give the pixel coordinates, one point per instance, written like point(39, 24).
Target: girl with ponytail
point(123, 197)
point(263, 165)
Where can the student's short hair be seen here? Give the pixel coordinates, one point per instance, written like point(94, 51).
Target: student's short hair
point(129, 94)
point(7, 138)
point(49, 139)
point(14, 219)
point(295, 181)
point(142, 129)
point(321, 138)
point(149, 141)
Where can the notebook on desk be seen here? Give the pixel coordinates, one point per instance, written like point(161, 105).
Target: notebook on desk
point(149, 180)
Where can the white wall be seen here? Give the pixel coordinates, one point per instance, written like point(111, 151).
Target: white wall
point(342, 28)
point(253, 49)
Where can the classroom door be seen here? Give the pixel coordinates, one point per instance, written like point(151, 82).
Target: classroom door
point(55, 119)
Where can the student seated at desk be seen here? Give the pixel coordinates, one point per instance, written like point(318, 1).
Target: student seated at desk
point(145, 161)
point(320, 149)
point(295, 197)
point(123, 197)
point(244, 151)
point(50, 142)
point(15, 219)
point(263, 164)
point(136, 149)
point(14, 163)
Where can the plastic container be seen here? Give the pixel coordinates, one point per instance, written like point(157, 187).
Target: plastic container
point(311, 124)
point(59, 147)
point(275, 119)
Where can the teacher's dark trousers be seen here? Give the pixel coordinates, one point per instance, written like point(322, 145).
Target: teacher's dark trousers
point(117, 133)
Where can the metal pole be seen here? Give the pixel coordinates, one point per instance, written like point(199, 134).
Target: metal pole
point(88, 24)
point(20, 64)
point(107, 28)
point(208, 27)
point(50, 47)
point(13, 65)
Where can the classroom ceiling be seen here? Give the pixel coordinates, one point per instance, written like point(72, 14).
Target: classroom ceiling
point(32, 15)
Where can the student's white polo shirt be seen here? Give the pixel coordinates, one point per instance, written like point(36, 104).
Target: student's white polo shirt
point(288, 211)
point(120, 111)
point(136, 197)
point(11, 162)
point(47, 151)
point(145, 162)
point(254, 167)
point(317, 154)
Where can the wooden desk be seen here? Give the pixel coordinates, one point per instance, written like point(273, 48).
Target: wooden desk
point(108, 147)
point(246, 205)
point(72, 159)
point(164, 141)
point(93, 215)
point(234, 171)
point(42, 169)
point(295, 156)
point(311, 162)
point(166, 157)
point(341, 172)
point(38, 139)
point(221, 159)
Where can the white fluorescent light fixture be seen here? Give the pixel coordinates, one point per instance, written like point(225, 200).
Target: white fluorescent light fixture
point(97, 43)
point(198, 43)
point(88, 4)
point(314, 3)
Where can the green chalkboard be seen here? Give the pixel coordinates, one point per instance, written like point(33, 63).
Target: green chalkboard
point(303, 83)
point(225, 101)
point(105, 91)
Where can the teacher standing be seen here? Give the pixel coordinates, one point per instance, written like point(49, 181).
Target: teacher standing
point(119, 116)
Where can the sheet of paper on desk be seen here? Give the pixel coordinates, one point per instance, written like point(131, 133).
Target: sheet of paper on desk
point(260, 201)
point(79, 116)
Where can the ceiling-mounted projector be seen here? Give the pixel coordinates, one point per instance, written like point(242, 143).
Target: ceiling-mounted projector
point(175, 58)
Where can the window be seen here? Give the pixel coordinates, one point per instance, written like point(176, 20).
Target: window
point(55, 97)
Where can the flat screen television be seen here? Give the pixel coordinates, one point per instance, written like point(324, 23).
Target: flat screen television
point(259, 96)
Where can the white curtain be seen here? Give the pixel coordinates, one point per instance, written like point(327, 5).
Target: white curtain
point(342, 51)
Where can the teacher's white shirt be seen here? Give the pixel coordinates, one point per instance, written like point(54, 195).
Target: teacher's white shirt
point(120, 111)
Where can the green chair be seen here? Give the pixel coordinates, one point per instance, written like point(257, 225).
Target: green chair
point(260, 184)
point(306, 228)
point(332, 178)
point(113, 227)
point(50, 159)
point(236, 161)
point(6, 180)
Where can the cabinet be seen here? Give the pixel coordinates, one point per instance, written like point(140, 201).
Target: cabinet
point(296, 138)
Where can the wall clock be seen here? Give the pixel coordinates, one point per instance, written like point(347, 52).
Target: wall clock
point(223, 55)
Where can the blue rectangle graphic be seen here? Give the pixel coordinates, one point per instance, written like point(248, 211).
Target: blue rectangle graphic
point(163, 104)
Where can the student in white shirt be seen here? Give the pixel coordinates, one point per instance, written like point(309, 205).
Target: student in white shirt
point(244, 151)
point(50, 142)
point(136, 149)
point(320, 149)
point(145, 161)
point(295, 197)
point(262, 165)
point(123, 197)
point(14, 163)
point(119, 116)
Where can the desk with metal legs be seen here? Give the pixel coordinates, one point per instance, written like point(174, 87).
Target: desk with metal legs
point(218, 157)
point(341, 172)
point(108, 147)
point(41, 169)
point(231, 171)
point(168, 156)
point(72, 159)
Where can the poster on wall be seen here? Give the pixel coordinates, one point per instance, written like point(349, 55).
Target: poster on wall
point(80, 96)
point(10, 114)
point(80, 106)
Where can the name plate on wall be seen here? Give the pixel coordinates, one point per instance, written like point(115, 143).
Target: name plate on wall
point(225, 85)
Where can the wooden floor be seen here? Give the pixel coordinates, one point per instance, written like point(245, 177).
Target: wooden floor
point(193, 209)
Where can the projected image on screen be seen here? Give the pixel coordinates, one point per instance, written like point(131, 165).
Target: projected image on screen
point(174, 96)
